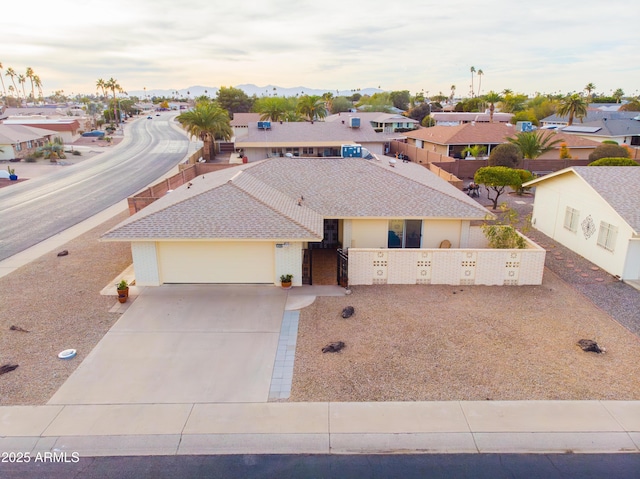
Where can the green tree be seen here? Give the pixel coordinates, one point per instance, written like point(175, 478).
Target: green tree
point(419, 112)
point(29, 74)
point(618, 94)
point(341, 104)
point(526, 115)
point(208, 122)
point(472, 70)
point(12, 74)
point(574, 106)
point(502, 233)
point(400, 99)
point(480, 74)
point(492, 98)
point(53, 150)
point(380, 101)
point(496, 179)
point(525, 175)
point(513, 103)
point(633, 105)
point(506, 154)
point(533, 144)
point(589, 89)
point(312, 107)
point(608, 151)
point(234, 100)
point(614, 162)
point(271, 108)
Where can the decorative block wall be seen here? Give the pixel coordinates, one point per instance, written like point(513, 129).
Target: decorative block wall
point(145, 261)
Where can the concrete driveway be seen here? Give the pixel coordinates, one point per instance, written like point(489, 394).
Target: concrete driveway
point(184, 344)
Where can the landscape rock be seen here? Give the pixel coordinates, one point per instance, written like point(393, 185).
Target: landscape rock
point(348, 312)
point(589, 345)
point(333, 347)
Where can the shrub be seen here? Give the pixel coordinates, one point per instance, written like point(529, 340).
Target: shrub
point(507, 154)
point(77, 153)
point(30, 159)
point(502, 233)
point(609, 142)
point(525, 175)
point(609, 151)
point(614, 162)
point(564, 152)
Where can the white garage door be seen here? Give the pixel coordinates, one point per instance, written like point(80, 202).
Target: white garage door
point(214, 262)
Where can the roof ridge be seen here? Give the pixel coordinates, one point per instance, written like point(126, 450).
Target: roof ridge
point(270, 206)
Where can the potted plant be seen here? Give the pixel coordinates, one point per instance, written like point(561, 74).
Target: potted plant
point(12, 173)
point(123, 290)
point(286, 280)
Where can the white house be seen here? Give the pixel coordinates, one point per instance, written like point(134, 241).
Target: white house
point(594, 211)
point(384, 223)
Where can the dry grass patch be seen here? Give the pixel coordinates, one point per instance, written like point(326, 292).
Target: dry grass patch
point(428, 343)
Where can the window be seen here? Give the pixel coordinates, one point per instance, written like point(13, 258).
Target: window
point(404, 234)
point(607, 236)
point(571, 217)
point(29, 144)
point(18, 146)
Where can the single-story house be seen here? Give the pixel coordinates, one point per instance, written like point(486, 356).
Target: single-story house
point(18, 141)
point(594, 211)
point(454, 118)
point(323, 220)
point(65, 128)
point(622, 127)
point(240, 123)
point(452, 140)
point(310, 139)
point(381, 122)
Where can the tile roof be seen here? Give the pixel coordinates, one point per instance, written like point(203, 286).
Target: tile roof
point(617, 185)
point(260, 200)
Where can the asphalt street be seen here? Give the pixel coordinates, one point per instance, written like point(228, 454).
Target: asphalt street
point(422, 466)
point(35, 210)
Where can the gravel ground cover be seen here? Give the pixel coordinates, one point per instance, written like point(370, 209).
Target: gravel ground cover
point(428, 343)
point(57, 299)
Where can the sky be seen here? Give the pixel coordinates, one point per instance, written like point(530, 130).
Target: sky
point(543, 46)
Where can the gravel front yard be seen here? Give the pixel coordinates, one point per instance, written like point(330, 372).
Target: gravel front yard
point(428, 343)
point(57, 299)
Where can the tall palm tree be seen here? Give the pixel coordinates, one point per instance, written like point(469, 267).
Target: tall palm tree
point(29, 75)
point(113, 85)
point(589, 88)
point(38, 84)
point(534, 143)
point(472, 70)
point(574, 106)
point(102, 85)
point(453, 92)
point(12, 74)
point(618, 94)
point(480, 74)
point(271, 108)
point(208, 122)
point(492, 98)
point(4, 90)
point(22, 80)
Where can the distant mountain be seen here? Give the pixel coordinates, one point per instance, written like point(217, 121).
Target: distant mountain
point(249, 89)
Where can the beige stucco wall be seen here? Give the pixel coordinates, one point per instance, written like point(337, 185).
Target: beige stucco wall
point(368, 233)
point(374, 233)
point(551, 200)
point(216, 262)
point(288, 258)
point(435, 231)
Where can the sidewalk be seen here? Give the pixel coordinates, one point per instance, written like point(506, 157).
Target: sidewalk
point(324, 428)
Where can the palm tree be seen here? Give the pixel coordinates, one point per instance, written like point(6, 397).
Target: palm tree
point(272, 108)
point(12, 74)
point(312, 106)
point(38, 84)
point(4, 90)
point(208, 122)
point(618, 94)
point(472, 70)
point(480, 73)
point(22, 80)
point(453, 92)
point(29, 75)
point(102, 85)
point(475, 151)
point(492, 98)
point(113, 85)
point(574, 106)
point(590, 88)
point(534, 143)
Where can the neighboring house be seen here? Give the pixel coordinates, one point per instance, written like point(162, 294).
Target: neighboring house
point(622, 127)
point(452, 140)
point(310, 139)
point(381, 122)
point(66, 128)
point(18, 141)
point(240, 123)
point(459, 118)
point(594, 211)
point(253, 223)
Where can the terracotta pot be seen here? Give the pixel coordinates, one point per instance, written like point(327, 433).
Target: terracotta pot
point(286, 285)
point(123, 295)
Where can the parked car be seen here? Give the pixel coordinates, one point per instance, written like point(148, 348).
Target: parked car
point(149, 118)
point(94, 133)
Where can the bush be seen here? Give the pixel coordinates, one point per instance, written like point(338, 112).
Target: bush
point(609, 151)
point(507, 154)
point(614, 162)
point(77, 153)
point(609, 142)
point(525, 175)
point(30, 159)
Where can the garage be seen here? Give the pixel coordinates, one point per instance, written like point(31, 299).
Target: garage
point(216, 262)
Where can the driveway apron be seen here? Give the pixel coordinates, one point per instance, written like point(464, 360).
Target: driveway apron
point(184, 344)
